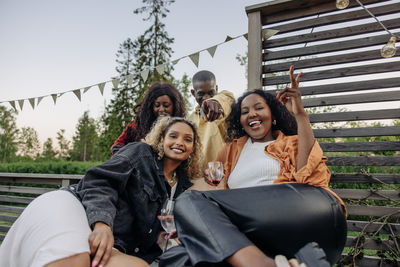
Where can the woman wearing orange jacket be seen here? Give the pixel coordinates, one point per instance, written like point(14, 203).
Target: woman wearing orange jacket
point(279, 201)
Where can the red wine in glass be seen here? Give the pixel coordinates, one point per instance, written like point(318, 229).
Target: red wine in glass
point(215, 173)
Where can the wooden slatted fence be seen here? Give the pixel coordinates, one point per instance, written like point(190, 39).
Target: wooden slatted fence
point(17, 190)
point(353, 97)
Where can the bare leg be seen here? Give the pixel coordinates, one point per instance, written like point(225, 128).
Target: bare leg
point(78, 260)
point(119, 259)
point(250, 256)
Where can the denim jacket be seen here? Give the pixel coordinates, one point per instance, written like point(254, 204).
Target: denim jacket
point(127, 192)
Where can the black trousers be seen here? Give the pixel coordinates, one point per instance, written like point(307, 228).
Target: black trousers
point(278, 219)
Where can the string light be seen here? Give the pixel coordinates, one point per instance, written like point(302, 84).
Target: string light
point(342, 4)
point(389, 50)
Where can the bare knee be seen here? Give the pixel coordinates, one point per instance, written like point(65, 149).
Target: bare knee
point(78, 260)
point(119, 259)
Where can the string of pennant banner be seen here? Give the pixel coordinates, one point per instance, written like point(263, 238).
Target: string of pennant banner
point(194, 57)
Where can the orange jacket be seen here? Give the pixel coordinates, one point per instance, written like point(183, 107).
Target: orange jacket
point(284, 149)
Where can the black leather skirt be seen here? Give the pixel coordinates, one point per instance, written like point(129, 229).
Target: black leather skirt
point(278, 219)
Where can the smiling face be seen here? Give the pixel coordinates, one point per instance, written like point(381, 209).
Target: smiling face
point(204, 90)
point(178, 142)
point(163, 106)
point(256, 118)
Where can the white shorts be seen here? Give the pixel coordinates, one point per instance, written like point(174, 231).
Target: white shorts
point(51, 227)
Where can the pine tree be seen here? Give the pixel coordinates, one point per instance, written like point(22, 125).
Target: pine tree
point(85, 141)
point(149, 50)
point(48, 150)
point(152, 48)
point(8, 134)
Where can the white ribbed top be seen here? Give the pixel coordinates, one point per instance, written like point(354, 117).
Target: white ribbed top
point(254, 167)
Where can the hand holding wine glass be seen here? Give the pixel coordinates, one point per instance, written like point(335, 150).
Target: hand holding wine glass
point(167, 216)
point(215, 173)
point(167, 219)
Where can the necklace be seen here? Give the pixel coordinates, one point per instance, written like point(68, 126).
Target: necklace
point(172, 179)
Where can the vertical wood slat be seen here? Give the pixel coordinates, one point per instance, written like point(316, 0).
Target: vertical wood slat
point(255, 51)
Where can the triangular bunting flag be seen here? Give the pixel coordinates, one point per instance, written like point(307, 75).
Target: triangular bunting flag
point(54, 96)
point(175, 61)
point(115, 83)
point(195, 58)
point(228, 38)
point(77, 92)
point(21, 103)
point(211, 50)
point(268, 33)
point(129, 79)
point(145, 74)
point(246, 35)
point(101, 87)
point(86, 89)
point(12, 103)
point(32, 101)
point(160, 68)
point(38, 100)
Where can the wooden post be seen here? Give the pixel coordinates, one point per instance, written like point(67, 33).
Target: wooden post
point(254, 51)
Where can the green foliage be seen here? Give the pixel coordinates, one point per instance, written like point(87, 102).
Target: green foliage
point(243, 61)
point(85, 142)
point(184, 89)
point(63, 144)
point(48, 150)
point(147, 51)
point(28, 142)
point(54, 166)
point(8, 134)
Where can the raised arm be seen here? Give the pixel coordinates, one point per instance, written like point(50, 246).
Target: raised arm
point(219, 106)
point(291, 97)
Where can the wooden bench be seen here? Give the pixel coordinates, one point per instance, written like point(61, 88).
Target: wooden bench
point(17, 190)
point(348, 88)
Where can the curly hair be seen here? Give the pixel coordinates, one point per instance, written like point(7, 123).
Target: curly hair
point(192, 165)
point(285, 121)
point(145, 116)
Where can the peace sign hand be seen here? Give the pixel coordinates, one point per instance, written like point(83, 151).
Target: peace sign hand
point(291, 97)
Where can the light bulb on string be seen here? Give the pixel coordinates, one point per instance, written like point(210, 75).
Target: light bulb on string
point(342, 4)
point(389, 50)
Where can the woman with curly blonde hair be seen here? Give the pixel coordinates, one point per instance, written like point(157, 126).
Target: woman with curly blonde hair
point(110, 217)
point(155, 137)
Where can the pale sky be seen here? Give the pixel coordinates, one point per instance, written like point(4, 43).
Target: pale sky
point(53, 46)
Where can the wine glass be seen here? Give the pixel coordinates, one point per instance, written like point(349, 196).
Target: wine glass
point(167, 216)
point(215, 173)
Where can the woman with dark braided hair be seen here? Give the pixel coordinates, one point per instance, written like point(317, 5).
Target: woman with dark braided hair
point(161, 99)
point(279, 203)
